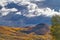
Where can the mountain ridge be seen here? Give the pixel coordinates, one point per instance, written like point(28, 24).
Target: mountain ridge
point(15, 33)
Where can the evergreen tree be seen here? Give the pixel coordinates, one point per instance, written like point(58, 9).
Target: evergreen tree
point(55, 29)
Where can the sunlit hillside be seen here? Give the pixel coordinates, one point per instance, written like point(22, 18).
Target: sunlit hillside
point(11, 33)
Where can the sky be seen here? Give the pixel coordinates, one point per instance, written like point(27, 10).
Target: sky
point(27, 12)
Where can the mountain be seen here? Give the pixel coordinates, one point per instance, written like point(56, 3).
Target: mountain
point(15, 33)
point(39, 29)
point(16, 20)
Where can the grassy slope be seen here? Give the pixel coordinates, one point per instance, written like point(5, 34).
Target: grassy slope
point(9, 33)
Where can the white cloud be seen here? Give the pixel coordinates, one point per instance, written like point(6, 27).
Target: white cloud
point(13, 9)
point(3, 2)
point(43, 11)
point(19, 13)
point(33, 9)
point(5, 11)
point(48, 12)
point(22, 2)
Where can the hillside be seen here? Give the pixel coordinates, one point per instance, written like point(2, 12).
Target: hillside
point(12, 33)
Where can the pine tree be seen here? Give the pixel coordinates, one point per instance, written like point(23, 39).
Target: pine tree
point(55, 29)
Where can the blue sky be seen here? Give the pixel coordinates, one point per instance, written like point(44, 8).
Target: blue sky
point(27, 12)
